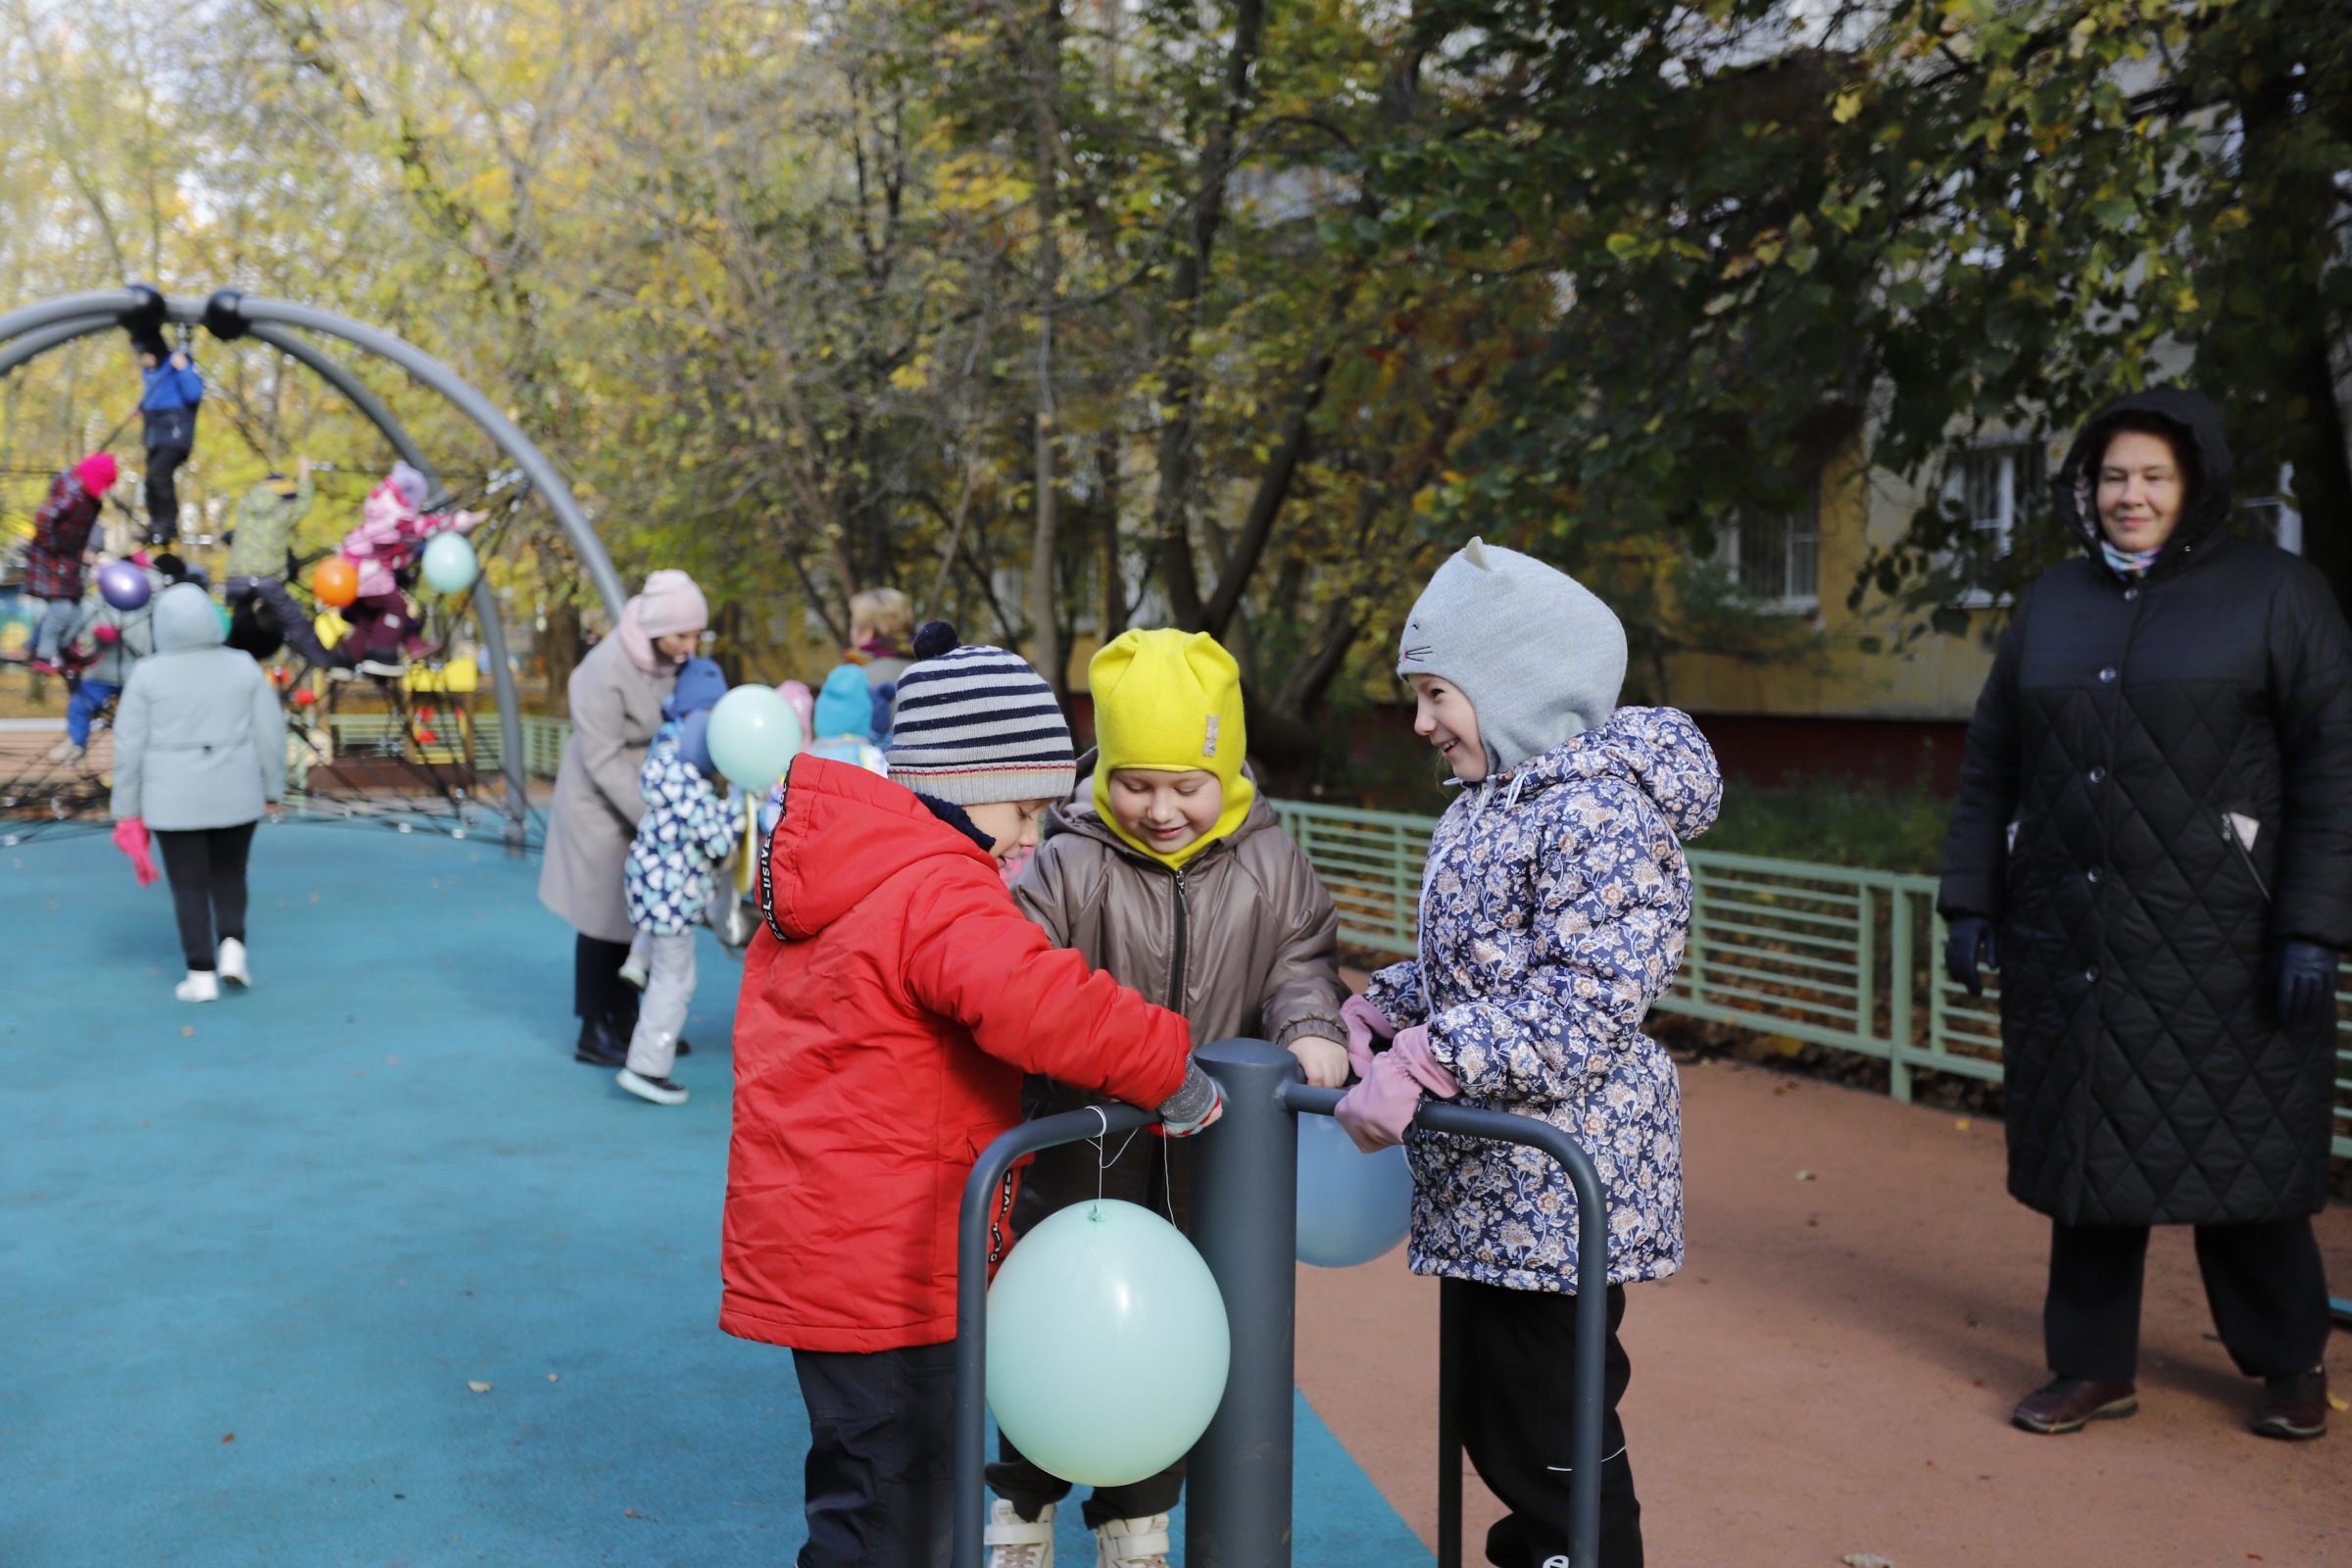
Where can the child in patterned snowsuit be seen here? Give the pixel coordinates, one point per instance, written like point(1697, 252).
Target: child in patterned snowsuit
point(1554, 909)
point(686, 831)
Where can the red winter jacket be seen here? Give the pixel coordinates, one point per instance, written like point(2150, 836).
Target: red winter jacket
point(879, 1048)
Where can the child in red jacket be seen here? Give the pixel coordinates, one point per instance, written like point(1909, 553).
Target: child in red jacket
point(887, 1013)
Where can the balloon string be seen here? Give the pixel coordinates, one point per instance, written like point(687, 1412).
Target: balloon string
point(1102, 1133)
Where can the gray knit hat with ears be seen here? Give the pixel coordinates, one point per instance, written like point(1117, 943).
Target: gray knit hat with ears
point(1539, 656)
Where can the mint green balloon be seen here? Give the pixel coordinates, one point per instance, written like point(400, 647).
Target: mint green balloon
point(1107, 1345)
point(450, 563)
point(753, 734)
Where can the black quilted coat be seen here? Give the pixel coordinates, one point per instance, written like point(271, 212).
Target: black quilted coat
point(2158, 786)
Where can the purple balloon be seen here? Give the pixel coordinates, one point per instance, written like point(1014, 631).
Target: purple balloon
point(122, 584)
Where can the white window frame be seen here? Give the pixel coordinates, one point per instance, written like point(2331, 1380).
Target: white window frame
point(1798, 571)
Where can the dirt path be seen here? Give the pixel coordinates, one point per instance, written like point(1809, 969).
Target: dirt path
point(1833, 1370)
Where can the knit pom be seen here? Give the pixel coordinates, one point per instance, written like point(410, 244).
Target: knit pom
point(936, 637)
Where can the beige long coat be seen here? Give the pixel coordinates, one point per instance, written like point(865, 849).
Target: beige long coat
point(615, 708)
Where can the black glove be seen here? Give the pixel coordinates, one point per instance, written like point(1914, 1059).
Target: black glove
point(1972, 942)
point(2303, 976)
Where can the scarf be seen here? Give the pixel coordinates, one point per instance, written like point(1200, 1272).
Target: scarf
point(2128, 562)
point(638, 643)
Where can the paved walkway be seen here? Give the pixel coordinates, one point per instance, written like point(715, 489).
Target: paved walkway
point(1832, 1371)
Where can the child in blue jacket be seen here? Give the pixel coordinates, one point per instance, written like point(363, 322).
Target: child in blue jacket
point(171, 390)
point(687, 830)
point(1555, 909)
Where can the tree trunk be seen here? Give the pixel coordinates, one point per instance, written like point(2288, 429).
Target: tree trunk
point(560, 650)
point(1171, 508)
point(1044, 609)
point(1112, 612)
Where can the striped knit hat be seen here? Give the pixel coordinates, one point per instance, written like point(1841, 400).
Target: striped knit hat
point(976, 725)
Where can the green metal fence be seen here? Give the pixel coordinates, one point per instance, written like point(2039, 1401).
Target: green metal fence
point(1826, 953)
point(543, 740)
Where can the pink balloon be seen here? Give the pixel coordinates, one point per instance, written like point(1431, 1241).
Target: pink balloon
point(803, 700)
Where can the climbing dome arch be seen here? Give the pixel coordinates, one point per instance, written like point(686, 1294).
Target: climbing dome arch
point(230, 316)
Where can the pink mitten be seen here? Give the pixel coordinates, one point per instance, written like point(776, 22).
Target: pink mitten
point(1412, 1054)
point(110, 635)
point(1364, 1023)
point(1376, 1111)
point(130, 837)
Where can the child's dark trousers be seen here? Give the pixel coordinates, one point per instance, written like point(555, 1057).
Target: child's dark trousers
point(881, 1474)
point(1518, 1381)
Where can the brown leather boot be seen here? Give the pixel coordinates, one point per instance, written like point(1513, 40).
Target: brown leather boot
point(2293, 1407)
point(2070, 1403)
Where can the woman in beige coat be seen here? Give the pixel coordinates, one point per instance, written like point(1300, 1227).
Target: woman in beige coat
point(616, 695)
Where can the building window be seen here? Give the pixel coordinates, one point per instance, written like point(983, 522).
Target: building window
point(2274, 518)
point(1776, 559)
point(1996, 487)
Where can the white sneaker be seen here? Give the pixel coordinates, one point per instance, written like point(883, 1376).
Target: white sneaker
point(1133, 1542)
point(233, 962)
point(661, 1090)
point(634, 974)
point(1013, 1541)
point(201, 985)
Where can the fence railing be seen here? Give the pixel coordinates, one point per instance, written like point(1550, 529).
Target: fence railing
point(1826, 953)
point(383, 734)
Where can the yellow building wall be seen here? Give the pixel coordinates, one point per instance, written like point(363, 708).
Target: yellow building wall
point(1856, 667)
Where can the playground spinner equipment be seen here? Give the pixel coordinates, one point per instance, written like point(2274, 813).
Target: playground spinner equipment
point(1245, 1222)
point(36, 330)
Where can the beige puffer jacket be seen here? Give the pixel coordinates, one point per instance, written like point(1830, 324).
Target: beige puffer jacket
point(1242, 942)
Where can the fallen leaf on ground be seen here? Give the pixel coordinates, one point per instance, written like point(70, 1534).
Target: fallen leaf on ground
point(187, 1029)
point(632, 1513)
point(391, 1061)
point(1866, 1559)
point(229, 1438)
point(552, 1376)
point(2335, 1403)
point(1961, 1125)
point(480, 1387)
point(1805, 1175)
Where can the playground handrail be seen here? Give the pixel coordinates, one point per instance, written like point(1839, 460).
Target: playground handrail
point(1239, 1514)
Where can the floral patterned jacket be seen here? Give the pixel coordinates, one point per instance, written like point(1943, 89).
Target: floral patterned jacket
point(687, 829)
point(1553, 912)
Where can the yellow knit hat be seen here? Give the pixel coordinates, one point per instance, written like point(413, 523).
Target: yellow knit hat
point(1170, 702)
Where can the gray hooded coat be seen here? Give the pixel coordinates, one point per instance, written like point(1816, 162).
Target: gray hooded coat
point(199, 740)
point(615, 710)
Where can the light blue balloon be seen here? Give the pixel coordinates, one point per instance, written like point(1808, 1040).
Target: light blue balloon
point(450, 563)
point(1107, 1345)
point(1353, 1206)
point(754, 735)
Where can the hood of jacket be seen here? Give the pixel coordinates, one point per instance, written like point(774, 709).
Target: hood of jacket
point(1080, 815)
point(2197, 428)
point(1659, 751)
point(185, 617)
point(841, 833)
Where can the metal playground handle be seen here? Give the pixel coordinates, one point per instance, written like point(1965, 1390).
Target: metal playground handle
point(1245, 1223)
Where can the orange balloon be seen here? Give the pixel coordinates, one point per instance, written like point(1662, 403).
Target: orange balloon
point(336, 582)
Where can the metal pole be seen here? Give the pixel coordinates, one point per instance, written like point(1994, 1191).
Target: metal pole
point(1592, 1306)
point(32, 345)
point(362, 397)
point(973, 1256)
point(1449, 1425)
point(1245, 1224)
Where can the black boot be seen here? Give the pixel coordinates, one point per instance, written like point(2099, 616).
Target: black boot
point(598, 1046)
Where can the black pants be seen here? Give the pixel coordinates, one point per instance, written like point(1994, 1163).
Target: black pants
point(881, 1475)
point(163, 493)
point(2265, 1282)
point(1514, 1405)
point(1149, 1172)
point(596, 989)
point(207, 870)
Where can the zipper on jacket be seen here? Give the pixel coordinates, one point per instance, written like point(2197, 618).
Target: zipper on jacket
point(1183, 922)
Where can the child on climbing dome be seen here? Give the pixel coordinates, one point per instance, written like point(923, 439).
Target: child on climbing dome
point(1170, 875)
point(1554, 908)
point(888, 1013)
point(392, 530)
point(687, 830)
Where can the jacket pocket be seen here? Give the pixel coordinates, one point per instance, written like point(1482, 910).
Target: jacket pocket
point(2242, 832)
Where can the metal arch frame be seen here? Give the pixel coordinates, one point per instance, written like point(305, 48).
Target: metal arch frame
point(34, 329)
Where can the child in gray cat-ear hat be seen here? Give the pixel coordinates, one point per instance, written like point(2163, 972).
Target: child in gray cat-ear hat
point(1554, 909)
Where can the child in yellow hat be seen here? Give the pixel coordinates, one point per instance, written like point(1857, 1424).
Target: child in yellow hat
point(1169, 872)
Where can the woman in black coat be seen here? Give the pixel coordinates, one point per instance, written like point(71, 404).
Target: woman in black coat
point(2153, 843)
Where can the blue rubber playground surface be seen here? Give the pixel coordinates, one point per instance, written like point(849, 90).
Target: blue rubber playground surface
point(361, 1267)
